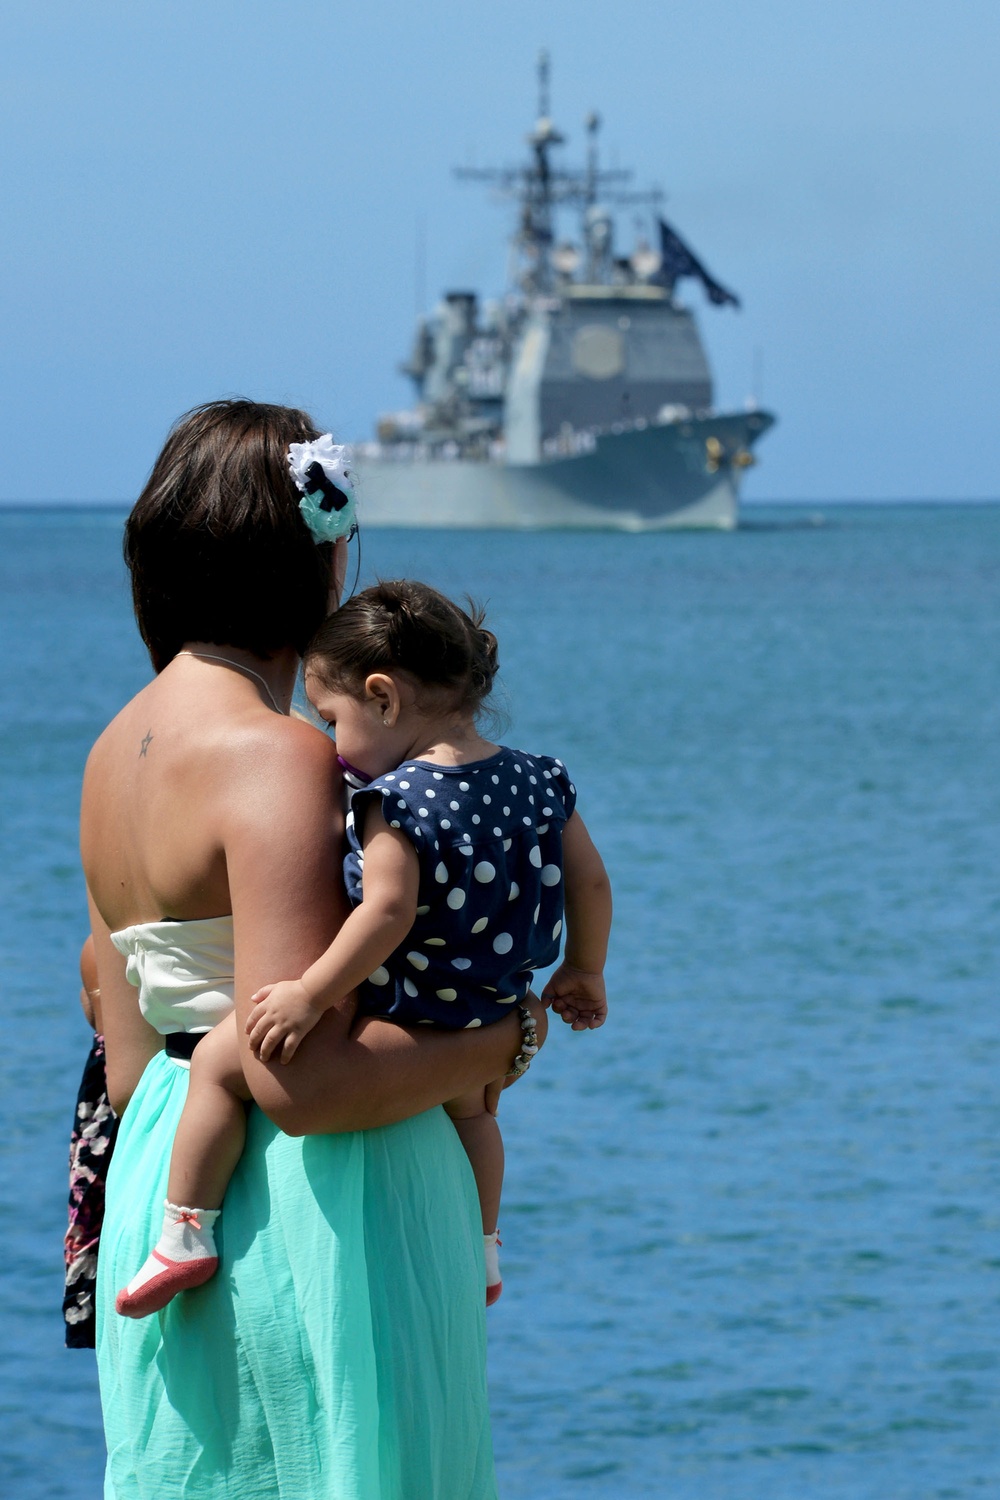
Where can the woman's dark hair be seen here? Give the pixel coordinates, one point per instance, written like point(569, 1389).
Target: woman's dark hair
point(408, 627)
point(215, 544)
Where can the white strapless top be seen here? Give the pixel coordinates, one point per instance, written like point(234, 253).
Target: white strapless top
point(182, 970)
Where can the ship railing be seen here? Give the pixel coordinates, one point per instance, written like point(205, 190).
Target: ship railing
point(569, 442)
point(448, 451)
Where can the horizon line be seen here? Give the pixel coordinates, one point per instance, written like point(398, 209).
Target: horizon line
point(123, 504)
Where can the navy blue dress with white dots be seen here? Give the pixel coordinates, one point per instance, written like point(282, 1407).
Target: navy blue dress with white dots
point(490, 905)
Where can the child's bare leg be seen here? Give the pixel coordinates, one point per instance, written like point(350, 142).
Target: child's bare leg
point(480, 1135)
point(212, 1129)
point(209, 1141)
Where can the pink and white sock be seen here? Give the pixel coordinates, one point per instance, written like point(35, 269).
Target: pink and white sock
point(494, 1285)
point(184, 1257)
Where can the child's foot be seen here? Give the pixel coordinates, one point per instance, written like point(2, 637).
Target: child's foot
point(494, 1286)
point(185, 1257)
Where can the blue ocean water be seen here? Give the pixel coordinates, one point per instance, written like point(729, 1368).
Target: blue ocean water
point(751, 1227)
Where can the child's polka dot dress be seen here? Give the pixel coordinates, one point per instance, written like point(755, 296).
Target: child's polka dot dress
point(490, 903)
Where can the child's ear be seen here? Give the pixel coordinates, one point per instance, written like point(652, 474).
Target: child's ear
point(382, 692)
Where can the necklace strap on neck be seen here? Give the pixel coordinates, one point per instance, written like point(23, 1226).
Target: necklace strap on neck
point(237, 666)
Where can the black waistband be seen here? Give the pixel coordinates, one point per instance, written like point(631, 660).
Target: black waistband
point(182, 1043)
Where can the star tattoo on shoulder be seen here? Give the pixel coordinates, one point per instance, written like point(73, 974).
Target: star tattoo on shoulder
point(145, 744)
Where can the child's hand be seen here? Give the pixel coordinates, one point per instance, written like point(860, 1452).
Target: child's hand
point(579, 998)
point(282, 1015)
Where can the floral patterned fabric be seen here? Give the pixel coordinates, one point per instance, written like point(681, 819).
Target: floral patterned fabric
point(90, 1148)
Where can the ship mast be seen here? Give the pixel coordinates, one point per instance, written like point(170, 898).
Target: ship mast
point(536, 232)
point(592, 125)
point(541, 188)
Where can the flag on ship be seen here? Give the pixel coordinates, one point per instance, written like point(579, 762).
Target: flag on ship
point(677, 261)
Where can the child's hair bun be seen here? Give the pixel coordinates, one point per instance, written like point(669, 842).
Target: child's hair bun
point(485, 651)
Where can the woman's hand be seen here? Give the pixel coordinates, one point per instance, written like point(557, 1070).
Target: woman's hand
point(541, 1019)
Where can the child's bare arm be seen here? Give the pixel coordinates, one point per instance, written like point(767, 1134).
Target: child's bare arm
point(576, 990)
point(285, 1012)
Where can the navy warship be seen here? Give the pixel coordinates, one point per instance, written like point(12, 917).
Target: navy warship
point(581, 398)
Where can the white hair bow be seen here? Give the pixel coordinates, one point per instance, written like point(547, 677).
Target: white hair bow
point(321, 471)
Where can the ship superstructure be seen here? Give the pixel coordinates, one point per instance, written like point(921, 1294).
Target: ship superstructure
point(582, 397)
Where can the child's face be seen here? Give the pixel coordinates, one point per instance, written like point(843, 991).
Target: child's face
point(359, 729)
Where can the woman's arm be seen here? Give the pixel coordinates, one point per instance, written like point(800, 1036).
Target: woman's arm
point(90, 989)
point(130, 1041)
point(282, 831)
point(286, 1012)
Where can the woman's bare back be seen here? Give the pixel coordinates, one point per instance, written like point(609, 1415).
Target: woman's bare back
point(196, 792)
point(160, 787)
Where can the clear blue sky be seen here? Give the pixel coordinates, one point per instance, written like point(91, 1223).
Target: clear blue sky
point(208, 198)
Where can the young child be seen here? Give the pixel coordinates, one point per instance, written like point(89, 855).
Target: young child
point(464, 859)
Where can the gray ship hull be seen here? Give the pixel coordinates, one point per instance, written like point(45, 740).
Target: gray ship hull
point(644, 479)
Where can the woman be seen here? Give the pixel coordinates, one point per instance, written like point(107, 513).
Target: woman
point(340, 1351)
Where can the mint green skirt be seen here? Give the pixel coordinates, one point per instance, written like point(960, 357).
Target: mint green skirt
point(338, 1354)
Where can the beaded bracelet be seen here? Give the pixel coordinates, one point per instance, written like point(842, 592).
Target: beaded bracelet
point(529, 1043)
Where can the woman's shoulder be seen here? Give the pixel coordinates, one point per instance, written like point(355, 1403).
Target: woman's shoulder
point(274, 791)
point(229, 772)
point(283, 742)
point(280, 738)
point(275, 757)
point(119, 742)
